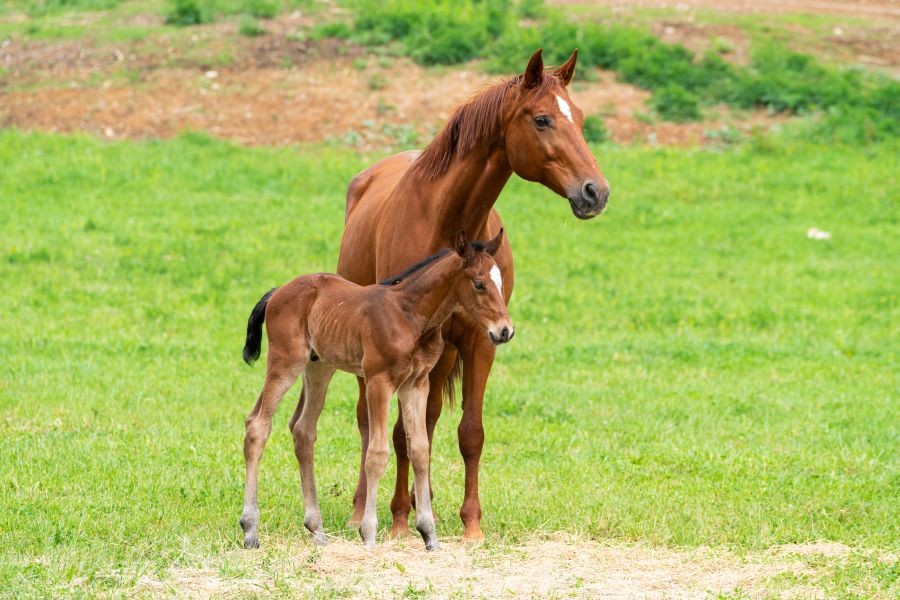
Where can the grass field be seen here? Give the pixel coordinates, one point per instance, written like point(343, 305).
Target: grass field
point(689, 369)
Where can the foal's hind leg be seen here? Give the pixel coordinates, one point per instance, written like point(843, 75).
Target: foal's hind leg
point(281, 373)
point(315, 385)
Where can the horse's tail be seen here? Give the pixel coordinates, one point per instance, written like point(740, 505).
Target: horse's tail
point(254, 328)
point(450, 384)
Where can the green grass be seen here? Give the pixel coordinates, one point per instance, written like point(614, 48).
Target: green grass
point(689, 369)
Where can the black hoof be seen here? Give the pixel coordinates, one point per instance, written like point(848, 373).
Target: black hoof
point(250, 543)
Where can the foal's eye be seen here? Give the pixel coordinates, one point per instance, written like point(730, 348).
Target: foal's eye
point(542, 122)
point(479, 285)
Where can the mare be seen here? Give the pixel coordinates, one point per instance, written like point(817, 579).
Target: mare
point(387, 334)
point(411, 204)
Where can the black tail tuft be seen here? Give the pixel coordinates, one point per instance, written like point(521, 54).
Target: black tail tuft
point(254, 328)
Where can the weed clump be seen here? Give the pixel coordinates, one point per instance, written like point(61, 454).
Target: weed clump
point(188, 12)
point(251, 28)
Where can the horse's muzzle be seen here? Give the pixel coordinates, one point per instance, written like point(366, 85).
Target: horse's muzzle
point(503, 336)
point(589, 200)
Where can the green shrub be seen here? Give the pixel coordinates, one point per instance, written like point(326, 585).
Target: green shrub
point(262, 9)
point(530, 9)
point(674, 103)
point(188, 12)
point(250, 28)
point(595, 130)
point(331, 30)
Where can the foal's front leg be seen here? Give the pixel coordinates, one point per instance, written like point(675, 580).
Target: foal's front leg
point(303, 428)
point(413, 399)
point(378, 397)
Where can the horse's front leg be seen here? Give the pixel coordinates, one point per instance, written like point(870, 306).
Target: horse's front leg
point(477, 356)
point(378, 398)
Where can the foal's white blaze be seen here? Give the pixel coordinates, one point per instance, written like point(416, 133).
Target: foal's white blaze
point(564, 107)
point(495, 277)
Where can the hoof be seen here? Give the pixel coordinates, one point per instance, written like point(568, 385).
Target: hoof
point(399, 531)
point(473, 534)
point(432, 545)
point(319, 539)
point(251, 542)
point(368, 531)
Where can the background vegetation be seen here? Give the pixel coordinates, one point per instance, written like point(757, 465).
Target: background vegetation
point(858, 107)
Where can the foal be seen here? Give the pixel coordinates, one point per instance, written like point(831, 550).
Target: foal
point(389, 334)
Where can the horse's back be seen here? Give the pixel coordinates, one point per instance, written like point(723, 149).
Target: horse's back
point(367, 197)
point(381, 175)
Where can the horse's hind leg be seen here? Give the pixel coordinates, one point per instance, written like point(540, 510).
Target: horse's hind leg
point(413, 400)
point(303, 429)
point(281, 373)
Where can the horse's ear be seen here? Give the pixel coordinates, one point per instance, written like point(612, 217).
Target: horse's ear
point(492, 246)
point(567, 71)
point(462, 243)
point(535, 70)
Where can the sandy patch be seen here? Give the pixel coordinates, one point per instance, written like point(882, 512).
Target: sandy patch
point(558, 566)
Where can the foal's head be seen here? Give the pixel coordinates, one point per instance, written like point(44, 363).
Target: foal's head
point(479, 289)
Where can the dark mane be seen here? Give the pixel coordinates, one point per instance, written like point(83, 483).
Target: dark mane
point(415, 268)
point(474, 121)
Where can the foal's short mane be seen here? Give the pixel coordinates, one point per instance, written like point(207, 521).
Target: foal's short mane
point(475, 121)
point(414, 268)
point(478, 246)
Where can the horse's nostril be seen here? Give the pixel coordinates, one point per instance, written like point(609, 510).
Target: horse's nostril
point(590, 191)
point(504, 334)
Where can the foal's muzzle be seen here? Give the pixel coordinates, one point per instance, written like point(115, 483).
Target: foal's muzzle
point(590, 199)
point(503, 336)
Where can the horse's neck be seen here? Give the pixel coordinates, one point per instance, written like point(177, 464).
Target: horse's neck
point(462, 198)
point(429, 294)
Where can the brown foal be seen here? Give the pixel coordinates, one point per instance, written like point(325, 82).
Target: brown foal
point(407, 205)
point(388, 334)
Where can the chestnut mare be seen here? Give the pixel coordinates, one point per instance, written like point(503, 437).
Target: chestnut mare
point(388, 334)
point(410, 204)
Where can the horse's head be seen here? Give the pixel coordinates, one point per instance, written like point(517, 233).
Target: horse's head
point(480, 288)
point(542, 132)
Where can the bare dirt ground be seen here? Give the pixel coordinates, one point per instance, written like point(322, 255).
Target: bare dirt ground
point(543, 567)
point(281, 88)
point(277, 91)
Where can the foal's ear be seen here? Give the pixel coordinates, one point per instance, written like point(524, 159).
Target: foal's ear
point(567, 71)
point(492, 246)
point(462, 243)
point(535, 70)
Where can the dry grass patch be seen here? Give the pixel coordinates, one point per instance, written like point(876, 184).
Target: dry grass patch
point(559, 566)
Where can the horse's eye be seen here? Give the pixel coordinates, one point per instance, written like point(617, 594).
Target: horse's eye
point(542, 122)
point(479, 285)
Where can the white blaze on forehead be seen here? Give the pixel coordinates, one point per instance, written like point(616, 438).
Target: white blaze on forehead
point(495, 277)
point(564, 107)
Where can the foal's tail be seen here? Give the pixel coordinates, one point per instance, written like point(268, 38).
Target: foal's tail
point(254, 328)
